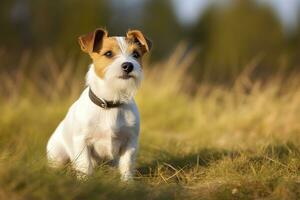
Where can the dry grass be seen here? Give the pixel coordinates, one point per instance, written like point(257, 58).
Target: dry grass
point(208, 142)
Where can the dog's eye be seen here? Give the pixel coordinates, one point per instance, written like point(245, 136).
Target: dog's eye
point(108, 54)
point(135, 54)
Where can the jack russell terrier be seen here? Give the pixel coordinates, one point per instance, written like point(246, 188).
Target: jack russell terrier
point(104, 122)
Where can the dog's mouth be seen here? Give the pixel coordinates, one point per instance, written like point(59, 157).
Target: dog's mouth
point(126, 76)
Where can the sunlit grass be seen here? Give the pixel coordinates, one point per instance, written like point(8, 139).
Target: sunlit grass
point(200, 142)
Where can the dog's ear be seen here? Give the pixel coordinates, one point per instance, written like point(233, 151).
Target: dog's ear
point(139, 38)
point(92, 42)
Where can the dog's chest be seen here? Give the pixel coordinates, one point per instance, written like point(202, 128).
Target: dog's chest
point(110, 131)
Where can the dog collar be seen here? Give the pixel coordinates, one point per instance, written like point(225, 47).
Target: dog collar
point(102, 102)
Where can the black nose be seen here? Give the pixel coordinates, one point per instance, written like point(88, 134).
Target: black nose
point(127, 67)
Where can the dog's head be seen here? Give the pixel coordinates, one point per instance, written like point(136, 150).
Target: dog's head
point(117, 60)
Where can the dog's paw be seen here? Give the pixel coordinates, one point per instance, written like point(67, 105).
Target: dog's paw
point(126, 177)
point(81, 176)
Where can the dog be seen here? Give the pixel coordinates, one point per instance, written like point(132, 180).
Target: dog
point(104, 123)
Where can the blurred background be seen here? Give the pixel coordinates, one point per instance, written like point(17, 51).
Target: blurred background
point(226, 35)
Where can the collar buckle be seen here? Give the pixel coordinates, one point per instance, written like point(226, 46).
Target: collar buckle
point(103, 103)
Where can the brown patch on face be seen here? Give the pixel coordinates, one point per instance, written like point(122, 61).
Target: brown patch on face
point(102, 61)
point(135, 48)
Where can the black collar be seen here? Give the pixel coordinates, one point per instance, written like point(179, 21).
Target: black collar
point(102, 102)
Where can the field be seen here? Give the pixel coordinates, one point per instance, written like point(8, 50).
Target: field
point(198, 141)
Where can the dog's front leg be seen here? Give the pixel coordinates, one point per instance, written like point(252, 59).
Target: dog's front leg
point(127, 159)
point(82, 160)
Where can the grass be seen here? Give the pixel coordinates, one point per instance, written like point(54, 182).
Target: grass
point(208, 142)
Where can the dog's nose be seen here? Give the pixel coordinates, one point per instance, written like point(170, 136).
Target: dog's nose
point(127, 67)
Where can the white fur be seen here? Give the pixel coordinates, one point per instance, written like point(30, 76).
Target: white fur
point(109, 133)
point(122, 44)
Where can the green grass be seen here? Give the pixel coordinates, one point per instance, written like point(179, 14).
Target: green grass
point(215, 142)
